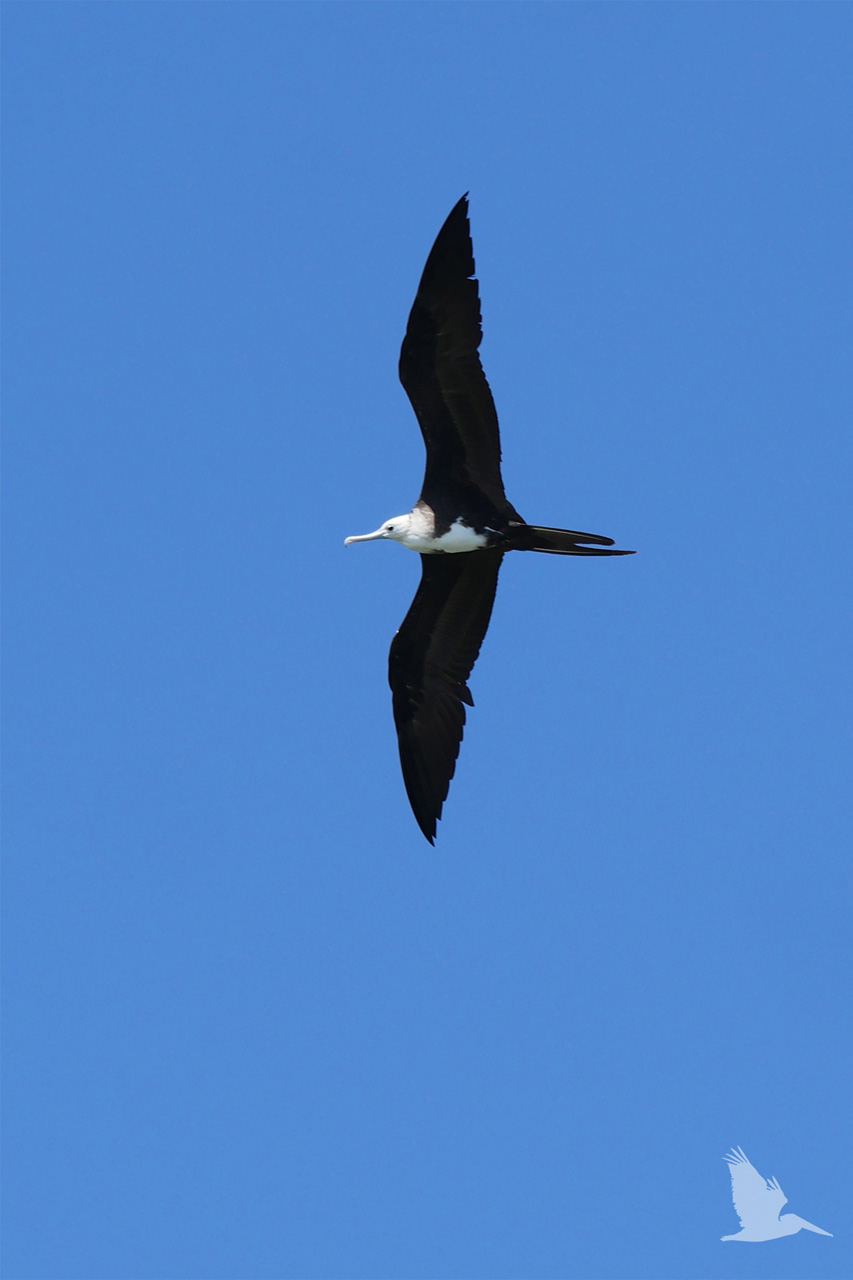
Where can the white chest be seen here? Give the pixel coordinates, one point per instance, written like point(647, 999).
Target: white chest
point(420, 537)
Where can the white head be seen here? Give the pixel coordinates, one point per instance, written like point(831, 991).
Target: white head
point(396, 528)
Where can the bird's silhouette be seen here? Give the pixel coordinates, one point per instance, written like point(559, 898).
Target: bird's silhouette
point(758, 1202)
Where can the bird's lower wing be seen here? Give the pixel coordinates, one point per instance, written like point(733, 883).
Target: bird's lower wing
point(430, 661)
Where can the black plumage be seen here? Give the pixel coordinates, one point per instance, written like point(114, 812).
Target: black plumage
point(437, 645)
point(428, 668)
point(442, 375)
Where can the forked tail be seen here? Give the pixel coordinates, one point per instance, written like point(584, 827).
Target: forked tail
point(563, 542)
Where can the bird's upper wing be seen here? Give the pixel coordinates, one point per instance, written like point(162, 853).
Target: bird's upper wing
point(441, 371)
point(431, 658)
point(756, 1200)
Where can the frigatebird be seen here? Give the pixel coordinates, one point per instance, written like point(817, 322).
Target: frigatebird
point(462, 525)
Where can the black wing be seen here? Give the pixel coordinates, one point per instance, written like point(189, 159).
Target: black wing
point(442, 375)
point(431, 658)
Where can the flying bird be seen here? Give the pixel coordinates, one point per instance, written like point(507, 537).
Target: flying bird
point(758, 1203)
point(462, 524)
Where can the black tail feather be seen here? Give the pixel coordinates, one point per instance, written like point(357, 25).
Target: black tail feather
point(564, 542)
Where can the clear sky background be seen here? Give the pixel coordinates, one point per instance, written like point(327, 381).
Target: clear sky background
point(256, 1028)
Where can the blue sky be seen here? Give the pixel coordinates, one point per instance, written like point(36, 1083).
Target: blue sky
point(256, 1028)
